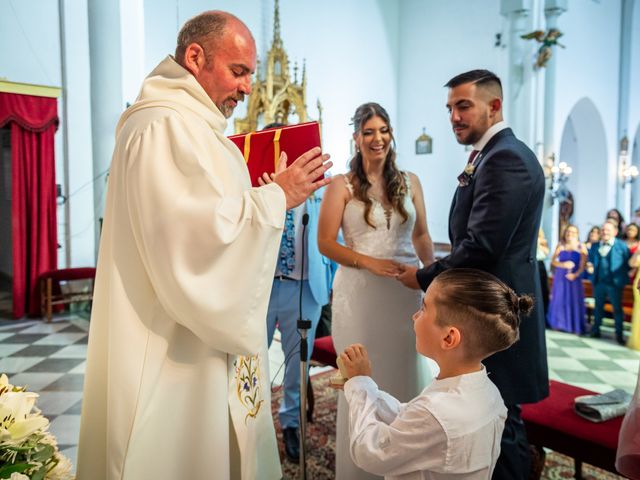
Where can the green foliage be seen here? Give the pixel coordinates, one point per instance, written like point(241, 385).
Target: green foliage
point(32, 458)
point(7, 469)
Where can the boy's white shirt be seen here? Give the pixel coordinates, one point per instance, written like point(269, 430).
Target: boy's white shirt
point(453, 427)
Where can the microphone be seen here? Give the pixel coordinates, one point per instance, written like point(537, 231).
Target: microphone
point(303, 326)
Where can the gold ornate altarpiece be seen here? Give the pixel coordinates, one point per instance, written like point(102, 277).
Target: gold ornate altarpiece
point(275, 96)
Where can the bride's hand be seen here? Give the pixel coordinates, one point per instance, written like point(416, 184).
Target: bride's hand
point(382, 267)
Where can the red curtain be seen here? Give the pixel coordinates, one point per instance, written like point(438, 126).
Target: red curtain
point(33, 122)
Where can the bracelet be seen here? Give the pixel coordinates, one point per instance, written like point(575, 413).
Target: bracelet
point(354, 264)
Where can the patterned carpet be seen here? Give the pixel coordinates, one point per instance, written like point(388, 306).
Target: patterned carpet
point(321, 433)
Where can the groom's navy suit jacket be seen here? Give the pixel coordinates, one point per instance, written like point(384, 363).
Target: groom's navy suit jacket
point(493, 226)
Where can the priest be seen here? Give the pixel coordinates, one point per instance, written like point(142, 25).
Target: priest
point(177, 380)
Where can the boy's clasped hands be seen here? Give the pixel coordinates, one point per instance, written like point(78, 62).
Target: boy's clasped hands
point(353, 362)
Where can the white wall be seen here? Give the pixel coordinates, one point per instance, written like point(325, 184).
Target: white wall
point(589, 67)
point(583, 146)
point(436, 43)
point(30, 42)
point(351, 58)
point(633, 127)
point(163, 19)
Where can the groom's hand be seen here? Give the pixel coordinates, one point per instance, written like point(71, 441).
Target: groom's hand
point(408, 277)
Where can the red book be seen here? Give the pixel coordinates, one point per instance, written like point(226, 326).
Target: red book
point(261, 150)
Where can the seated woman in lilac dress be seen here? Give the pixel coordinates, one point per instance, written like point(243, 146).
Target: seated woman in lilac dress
point(566, 307)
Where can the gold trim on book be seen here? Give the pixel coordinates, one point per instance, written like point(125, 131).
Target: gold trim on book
point(30, 89)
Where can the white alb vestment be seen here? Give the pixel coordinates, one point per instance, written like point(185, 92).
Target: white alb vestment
point(452, 430)
point(186, 263)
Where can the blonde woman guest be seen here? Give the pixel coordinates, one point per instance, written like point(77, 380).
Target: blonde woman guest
point(634, 337)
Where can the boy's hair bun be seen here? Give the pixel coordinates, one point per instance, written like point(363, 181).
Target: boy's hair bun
point(524, 305)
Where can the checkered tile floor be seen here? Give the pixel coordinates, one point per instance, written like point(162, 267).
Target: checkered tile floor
point(595, 364)
point(50, 360)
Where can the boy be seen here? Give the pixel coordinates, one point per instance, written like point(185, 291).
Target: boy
point(453, 428)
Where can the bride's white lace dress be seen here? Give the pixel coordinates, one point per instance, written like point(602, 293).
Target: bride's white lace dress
point(376, 312)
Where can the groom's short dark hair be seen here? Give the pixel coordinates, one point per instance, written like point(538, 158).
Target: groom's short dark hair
point(478, 77)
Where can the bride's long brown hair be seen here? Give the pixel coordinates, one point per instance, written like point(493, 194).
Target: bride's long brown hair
point(395, 184)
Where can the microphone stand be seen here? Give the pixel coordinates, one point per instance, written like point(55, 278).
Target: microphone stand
point(303, 326)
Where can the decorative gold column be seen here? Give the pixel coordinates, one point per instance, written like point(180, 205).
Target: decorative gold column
point(275, 95)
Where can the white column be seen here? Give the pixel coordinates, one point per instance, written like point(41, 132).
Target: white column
point(75, 114)
point(116, 45)
point(107, 102)
point(623, 197)
point(552, 10)
point(518, 84)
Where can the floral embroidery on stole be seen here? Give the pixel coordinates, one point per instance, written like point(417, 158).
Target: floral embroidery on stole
point(248, 384)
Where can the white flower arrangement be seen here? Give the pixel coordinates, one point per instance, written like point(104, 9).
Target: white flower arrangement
point(27, 450)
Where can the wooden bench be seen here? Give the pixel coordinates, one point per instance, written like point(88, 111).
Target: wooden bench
point(441, 250)
point(627, 302)
point(552, 423)
point(51, 293)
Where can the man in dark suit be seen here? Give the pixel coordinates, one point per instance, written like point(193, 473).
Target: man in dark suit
point(493, 226)
point(610, 260)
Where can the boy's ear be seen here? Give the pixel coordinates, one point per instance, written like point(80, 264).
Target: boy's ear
point(452, 338)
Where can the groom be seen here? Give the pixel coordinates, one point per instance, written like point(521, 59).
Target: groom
point(493, 226)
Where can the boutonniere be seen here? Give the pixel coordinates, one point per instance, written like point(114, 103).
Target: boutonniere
point(464, 178)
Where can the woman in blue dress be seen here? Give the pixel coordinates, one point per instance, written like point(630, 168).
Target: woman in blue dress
point(566, 307)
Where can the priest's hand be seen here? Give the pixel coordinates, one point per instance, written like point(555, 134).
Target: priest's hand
point(355, 360)
point(409, 278)
point(298, 180)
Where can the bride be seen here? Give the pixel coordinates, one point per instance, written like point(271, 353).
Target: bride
point(383, 219)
